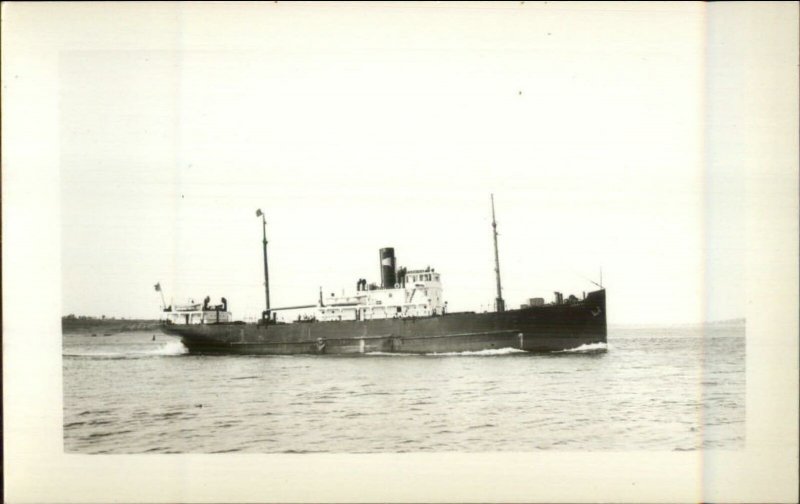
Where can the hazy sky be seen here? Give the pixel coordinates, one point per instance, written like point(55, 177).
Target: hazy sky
point(600, 129)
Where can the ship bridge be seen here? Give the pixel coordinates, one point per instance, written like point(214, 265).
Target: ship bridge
point(402, 293)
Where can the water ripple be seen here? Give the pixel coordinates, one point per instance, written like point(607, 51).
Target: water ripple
point(636, 395)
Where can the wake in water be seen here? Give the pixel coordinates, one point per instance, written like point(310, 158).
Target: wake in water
point(491, 351)
point(171, 348)
point(488, 352)
point(128, 351)
point(587, 348)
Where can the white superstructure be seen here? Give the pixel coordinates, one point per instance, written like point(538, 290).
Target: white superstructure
point(198, 313)
point(418, 293)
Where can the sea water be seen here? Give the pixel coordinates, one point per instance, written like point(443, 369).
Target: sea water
point(667, 388)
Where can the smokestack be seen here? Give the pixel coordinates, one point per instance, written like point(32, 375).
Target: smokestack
point(388, 268)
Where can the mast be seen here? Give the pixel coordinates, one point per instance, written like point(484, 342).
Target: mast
point(500, 305)
point(259, 213)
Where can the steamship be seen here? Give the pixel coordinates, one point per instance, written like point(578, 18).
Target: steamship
point(405, 313)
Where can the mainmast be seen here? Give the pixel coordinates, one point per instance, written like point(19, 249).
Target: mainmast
point(259, 213)
point(500, 305)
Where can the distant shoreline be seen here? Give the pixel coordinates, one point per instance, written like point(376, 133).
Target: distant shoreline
point(92, 325)
point(736, 322)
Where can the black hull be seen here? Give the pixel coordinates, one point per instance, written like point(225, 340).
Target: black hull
point(537, 329)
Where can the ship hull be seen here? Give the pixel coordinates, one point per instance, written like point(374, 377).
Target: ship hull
point(536, 329)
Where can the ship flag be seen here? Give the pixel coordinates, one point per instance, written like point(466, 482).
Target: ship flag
point(158, 287)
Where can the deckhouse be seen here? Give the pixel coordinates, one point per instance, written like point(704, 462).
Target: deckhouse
point(402, 293)
point(196, 313)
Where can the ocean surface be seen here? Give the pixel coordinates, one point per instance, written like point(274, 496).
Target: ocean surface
point(665, 388)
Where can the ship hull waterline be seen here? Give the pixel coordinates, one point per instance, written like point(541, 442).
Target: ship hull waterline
point(535, 329)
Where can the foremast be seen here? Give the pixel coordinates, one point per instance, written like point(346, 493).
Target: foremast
point(259, 213)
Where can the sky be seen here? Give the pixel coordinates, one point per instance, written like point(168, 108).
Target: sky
point(602, 132)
